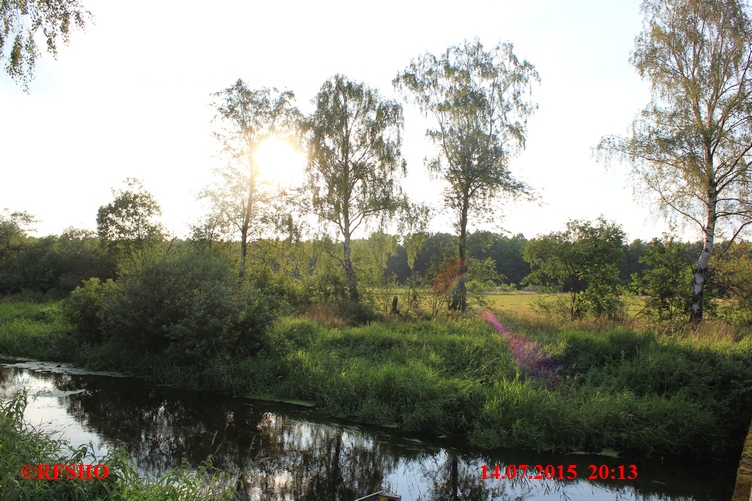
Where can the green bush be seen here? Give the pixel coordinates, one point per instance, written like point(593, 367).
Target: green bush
point(733, 275)
point(188, 305)
point(82, 308)
point(667, 281)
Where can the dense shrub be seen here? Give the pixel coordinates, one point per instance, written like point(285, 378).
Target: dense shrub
point(189, 305)
point(733, 275)
point(584, 261)
point(53, 263)
point(82, 308)
point(667, 280)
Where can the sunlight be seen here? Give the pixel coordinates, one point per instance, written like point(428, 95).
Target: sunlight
point(280, 162)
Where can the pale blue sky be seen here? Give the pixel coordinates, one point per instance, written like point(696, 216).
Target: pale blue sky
point(129, 98)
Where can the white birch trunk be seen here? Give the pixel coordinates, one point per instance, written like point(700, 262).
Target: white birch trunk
point(701, 271)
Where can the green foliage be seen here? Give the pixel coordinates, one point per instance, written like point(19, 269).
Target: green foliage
point(50, 264)
point(82, 308)
point(321, 273)
point(239, 201)
point(584, 259)
point(22, 21)
point(665, 281)
point(187, 305)
point(354, 140)
point(127, 225)
point(630, 263)
point(32, 325)
point(480, 100)
point(481, 275)
point(14, 228)
point(634, 391)
point(432, 251)
point(733, 274)
point(689, 146)
point(76, 255)
point(373, 253)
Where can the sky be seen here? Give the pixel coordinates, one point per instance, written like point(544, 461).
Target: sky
point(130, 97)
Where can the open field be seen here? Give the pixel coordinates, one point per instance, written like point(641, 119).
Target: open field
point(546, 385)
point(533, 302)
point(517, 302)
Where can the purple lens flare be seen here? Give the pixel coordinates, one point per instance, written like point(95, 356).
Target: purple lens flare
point(531, 358)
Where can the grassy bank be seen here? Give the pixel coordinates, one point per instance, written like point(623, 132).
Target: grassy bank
point(545, 385)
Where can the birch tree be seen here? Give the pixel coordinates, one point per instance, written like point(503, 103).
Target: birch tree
point(690, 147)
point(355, 163)
point(21, 21)
point(480, 101)
point(246, 118)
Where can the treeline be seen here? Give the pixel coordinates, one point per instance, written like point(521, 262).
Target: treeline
point(590, 261)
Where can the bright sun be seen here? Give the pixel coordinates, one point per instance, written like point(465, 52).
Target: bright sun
point(280, 162)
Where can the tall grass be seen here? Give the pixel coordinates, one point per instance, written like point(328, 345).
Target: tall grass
point(636, 389)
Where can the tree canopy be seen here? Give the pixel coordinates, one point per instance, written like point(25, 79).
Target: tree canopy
point(354, 139)
point(691, 145)
point(21, 20)
point(584, 260)
point(129, 223)
point(239, 200)
point(480, 101)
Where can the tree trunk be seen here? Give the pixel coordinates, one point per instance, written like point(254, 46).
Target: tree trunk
point(461, 293)
point(247, 217)
point(701, 270)
point(352, 284)
point(243, 251)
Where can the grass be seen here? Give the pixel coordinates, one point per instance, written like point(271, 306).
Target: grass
point(523, 302)
point(517, 302)
point(634, 389)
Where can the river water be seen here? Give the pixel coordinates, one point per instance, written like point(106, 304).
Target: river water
point(281, 452)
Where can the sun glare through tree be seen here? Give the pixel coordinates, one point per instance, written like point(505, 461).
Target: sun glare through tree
point(280, 162)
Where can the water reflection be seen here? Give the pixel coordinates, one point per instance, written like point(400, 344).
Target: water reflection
point(281, 453)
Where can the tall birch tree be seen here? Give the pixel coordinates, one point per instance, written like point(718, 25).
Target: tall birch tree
point(690, 147)
point(246, 117)
point(355, 163)
point(480, 101)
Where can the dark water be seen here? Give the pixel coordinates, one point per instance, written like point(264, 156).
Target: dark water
point(289, 453)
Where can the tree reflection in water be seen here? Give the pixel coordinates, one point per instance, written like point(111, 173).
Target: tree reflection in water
point(270, 456)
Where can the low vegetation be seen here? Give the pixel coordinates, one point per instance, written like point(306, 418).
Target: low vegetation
point(637, 390)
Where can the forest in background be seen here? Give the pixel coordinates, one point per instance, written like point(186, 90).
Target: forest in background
point(309, 272)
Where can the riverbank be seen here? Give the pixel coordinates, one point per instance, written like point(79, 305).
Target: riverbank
point(512, 381)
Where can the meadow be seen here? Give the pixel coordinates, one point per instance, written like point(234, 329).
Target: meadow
point(505, 376)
